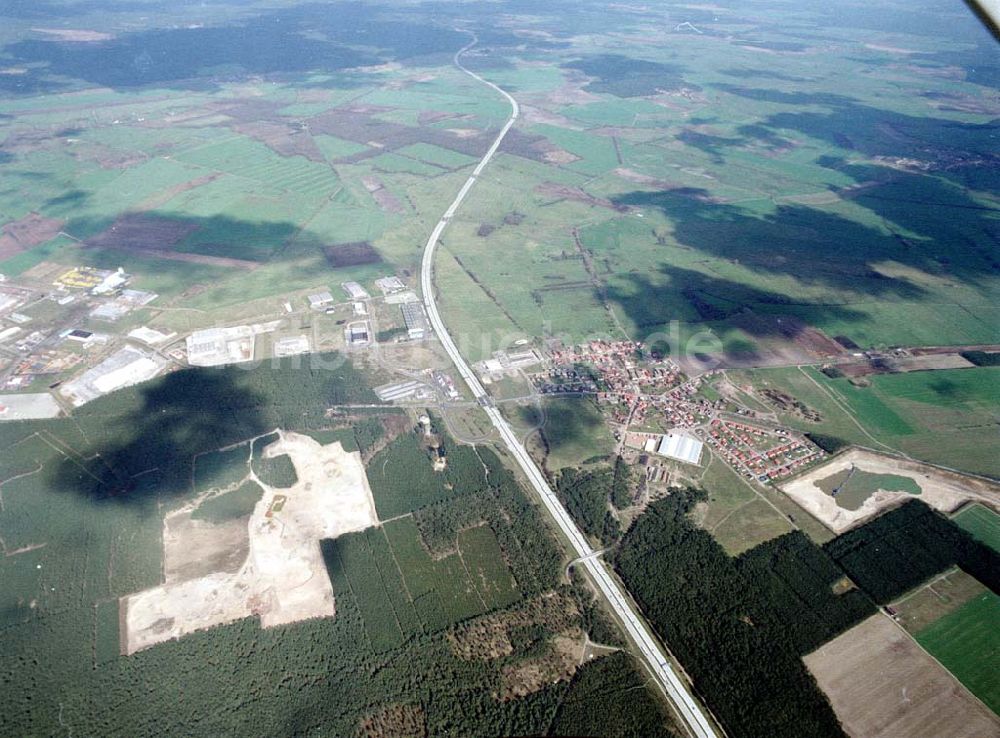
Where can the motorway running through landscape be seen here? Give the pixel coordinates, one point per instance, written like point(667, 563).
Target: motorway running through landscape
point(686, 706)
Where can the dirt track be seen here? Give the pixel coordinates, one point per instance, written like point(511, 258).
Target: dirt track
point(942, 490)
point(283, 578)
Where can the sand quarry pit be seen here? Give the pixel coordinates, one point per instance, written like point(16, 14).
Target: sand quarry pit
point(283, 578)
point(943, 490)
point(881, 684)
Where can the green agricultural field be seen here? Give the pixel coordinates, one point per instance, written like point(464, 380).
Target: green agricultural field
point(740, 516)
point(337, 148)
point(936, 599)
point(437, 156)
point(945, 416)
point(397, 163)
point(251, 160)
point(596, 153)
point(982, 523)
point(574, 432)
point(967, 643)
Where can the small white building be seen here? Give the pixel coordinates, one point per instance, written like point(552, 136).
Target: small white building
point(388, 285)
point(320, 300)
point(355, 291)
point(291, 346)
point(111, 282)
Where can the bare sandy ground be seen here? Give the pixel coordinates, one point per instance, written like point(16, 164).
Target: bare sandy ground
point(882, 684)
point(283, 578)
point(943, 490)
point(196, 548)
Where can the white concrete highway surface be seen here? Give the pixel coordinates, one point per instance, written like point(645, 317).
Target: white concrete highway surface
point(690, 711)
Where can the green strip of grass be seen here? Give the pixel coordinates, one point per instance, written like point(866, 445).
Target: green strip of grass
point(967, 643)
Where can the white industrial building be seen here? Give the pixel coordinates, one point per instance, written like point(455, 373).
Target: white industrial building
point(357, 333)
point(681, 447)
point(28, 406)
point(320, 300)
point(401, 390)
point(355, 291)
point(111, 282)
point(217, 346)
point(291, 346)
point(416, 321)
point(388, 285)
point(125, 367)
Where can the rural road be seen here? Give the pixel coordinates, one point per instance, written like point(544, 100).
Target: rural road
point(687, 708)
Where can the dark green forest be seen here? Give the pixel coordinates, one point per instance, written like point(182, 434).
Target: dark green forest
point(83, 500)
point(904, 548)
point(741, 625)
point(589, 495)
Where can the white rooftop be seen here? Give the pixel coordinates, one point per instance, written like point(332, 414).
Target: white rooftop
point(320, 299)
point(681, 447)
point(28, 406)
point(217, 346)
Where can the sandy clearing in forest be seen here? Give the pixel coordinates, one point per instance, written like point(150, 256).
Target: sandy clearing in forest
point(941, 489)
point(197, 548)
point(283, 579)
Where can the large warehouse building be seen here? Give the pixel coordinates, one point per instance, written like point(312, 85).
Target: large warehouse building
point(681, 447)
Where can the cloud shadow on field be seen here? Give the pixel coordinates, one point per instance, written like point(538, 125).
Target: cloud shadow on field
point(714, 146)
point(141, 442)
point(821, 248)
point(959, 151)
point(624, 76)
point(817, 248)
point(689, 296)
point(762, 74)
point(782, 97)
point(167, 423)
point(297, 39)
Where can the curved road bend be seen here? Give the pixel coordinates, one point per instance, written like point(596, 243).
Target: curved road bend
point(676, 690)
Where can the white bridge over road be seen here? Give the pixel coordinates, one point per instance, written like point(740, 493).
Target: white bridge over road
point(687, 707)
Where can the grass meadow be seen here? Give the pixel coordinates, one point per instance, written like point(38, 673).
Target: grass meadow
point(966, 642)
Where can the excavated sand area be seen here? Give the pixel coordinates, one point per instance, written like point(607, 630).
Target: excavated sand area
point(941, 489)
point(283, 579)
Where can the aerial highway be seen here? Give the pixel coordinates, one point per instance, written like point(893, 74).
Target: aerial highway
point(687, 707)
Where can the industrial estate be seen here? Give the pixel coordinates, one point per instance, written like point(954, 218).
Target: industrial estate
point(446, 370)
